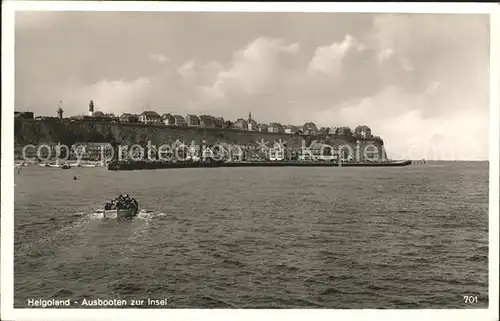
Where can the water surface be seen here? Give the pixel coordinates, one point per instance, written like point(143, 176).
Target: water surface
point(411, 237)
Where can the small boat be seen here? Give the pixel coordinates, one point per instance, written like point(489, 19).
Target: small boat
point(65, 166)
point(121, 208)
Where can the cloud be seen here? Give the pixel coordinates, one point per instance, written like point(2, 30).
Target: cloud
point(255, 70)
point(397, 117)
point(109, 96)
point(328, 59)
point(187, 70)
point(161, 59)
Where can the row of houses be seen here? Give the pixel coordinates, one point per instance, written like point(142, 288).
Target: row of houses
point(249, 124)
point(152, 117)
point(23, 115)
point(208, 121)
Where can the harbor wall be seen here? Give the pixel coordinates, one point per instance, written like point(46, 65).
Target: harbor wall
point(51, 132)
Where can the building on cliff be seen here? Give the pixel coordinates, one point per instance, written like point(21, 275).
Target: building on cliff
point(344, 131)
point(324, 131)
point(363, 131)
point(168, 119)
point(129, 118)
point(193, 120)
point(241, 124)
point(262, 128)
point(219, 122)
point(207, 121)
point(24, 115)
point(150, 117)
point(180, 121)
point(310, 128)
point(275, 128)
point(290, 129)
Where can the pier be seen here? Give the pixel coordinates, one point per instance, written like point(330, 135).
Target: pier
point(125, 166)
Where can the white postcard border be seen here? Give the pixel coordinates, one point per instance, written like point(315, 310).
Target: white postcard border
point(7, 162)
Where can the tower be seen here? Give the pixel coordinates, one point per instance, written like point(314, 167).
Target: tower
point(250, 121)
point(60, 111)
point(91, 108)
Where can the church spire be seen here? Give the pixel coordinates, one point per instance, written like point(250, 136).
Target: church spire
point(249, 116)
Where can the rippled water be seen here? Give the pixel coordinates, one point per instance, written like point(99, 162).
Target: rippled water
point(412, 237)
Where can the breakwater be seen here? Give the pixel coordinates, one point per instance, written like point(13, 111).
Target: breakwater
point(127, 166)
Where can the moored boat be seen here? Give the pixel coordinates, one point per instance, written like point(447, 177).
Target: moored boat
point(89, 165)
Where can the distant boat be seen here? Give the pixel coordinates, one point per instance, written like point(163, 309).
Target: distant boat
point(89, 165)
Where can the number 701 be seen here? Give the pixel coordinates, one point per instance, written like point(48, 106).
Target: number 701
point(470, 299)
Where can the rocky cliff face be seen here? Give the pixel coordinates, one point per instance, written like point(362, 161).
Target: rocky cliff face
point(51, 132)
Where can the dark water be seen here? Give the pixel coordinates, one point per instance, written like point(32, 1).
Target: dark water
point(413, 237)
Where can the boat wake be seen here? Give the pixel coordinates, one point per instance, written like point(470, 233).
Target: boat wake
point(80, 223)
point(143, 214)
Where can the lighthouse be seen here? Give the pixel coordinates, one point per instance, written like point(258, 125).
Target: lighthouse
point(91, 108)
point(250, 121)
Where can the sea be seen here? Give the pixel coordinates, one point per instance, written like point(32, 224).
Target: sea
point(337, 238)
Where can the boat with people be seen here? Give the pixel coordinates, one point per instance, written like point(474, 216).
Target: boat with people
point(123, 207)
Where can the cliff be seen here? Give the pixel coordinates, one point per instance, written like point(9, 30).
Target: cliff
point(70, 132)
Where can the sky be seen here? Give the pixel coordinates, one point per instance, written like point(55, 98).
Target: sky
point(420, 81)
